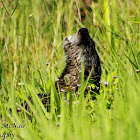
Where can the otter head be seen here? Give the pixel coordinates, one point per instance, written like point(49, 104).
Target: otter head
point(80, 38)
point(83, 36)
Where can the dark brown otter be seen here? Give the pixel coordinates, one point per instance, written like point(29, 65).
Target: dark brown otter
point(78, 49)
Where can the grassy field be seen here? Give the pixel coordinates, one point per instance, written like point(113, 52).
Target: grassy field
point(32, 57)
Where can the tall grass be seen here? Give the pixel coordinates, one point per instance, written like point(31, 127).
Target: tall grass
point(32, 57)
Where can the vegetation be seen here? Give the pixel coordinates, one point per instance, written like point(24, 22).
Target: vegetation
point(32, 57)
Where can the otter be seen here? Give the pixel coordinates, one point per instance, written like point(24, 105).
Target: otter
point(79, 49)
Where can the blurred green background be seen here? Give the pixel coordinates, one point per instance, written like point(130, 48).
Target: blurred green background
point(32, 57)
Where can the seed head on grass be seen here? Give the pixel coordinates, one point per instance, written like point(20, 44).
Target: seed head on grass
point(137, 71)
point(114, 76)
point(97, 88)
point(58, 124)
point(19, 109)
point(62, 90)
point(106, 83)
point(78, 85)
point(47, 63)
point(100, 82)
point(88, 88)
point(117, 88)
point(21, 83)
point(73, 89)
point(57, 80)
point(59, 116)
